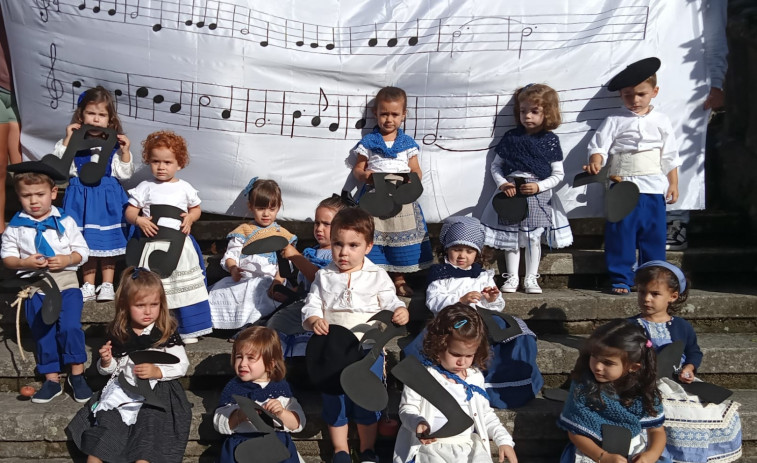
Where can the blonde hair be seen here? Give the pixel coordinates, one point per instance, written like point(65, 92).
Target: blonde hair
point(539, 95)
point(265, 343)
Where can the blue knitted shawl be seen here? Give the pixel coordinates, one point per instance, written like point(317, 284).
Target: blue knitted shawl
point(580, 417)
point(374, 141)
point(529, 153)
point(253, 391)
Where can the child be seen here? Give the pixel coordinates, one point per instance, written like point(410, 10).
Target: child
point(697, 431)
point(99, 209)
point(639, 145)
point(245, 296)
point(512, 378)
point(613, 383)
point(186, 292)
point(529, 153)
point(348, 292)
point(259, 365)
point(455, 349)
point(116, 426)
point(43, 238)
point(401, 243)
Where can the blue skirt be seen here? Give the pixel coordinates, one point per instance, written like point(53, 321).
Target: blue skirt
point(231, 443)
point(401, 243)
point(99, 212)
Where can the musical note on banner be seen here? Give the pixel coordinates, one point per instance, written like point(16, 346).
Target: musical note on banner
point(226, 113)
point(316, 121)
point(97, 8)
point(393, 41)
point(526, 32)
point(435, 134)
point(134, 14)
point(374, 40)
point(261, 121)
point(413, 41)
point(44, 6)
point(53, 84)
point(114, 10)
point(203, 102)
point(295, 115)
point(75, 92)
point(264, 43)
point(334, 126)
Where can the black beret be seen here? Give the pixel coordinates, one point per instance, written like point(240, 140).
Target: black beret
point(634, 74)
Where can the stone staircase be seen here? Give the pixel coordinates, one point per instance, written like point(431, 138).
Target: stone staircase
point(722, 308)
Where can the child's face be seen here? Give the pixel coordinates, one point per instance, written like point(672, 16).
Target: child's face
point(638, 98)
point(249, 366)
point(163, 164)
point(389, 115)
point(348, 249)
point(96, 114)
point(532, 117)
point(654, 298)
point(461, 255)
point(322, 226)
point(608, 366)
point(37, 198)
point(144, 309)
point(264, 216)
point(459, 356)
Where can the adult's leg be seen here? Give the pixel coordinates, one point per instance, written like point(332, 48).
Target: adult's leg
point(4, 129)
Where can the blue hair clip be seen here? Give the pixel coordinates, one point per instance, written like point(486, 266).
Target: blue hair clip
point(248, 188)
point(526, 86)
point(81, 98)
point(137, 271)
point(460, 323)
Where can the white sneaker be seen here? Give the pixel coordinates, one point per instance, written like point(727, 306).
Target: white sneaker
point(105, 292)
point(190, 340)
point(88, 292)
point(511, 283)
point(531, 285)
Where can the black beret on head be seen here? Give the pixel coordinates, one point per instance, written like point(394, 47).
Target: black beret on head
point(634, 74)
point(39, 167)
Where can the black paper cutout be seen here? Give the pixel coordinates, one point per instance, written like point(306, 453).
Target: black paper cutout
point(142, 387)
point(387, 198)
point(161, 262)
point(668, 360)
point(327, 356)
point(620, 200)
point(52, 302)
point(265, 245)
point(511, 209)
point(82, 139)
point(265, 447)
point(496, 333)
point(616, 439)
point(153, 356)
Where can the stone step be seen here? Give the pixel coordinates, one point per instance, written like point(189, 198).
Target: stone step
point(36, 431)
point(573, 311)
point(730, 360)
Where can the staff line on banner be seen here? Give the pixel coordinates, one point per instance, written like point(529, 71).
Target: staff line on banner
point(452, 34)
point(440, 120)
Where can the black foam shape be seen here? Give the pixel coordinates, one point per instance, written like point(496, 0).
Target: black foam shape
point(616, 439)
point(585, 178)
point(153, 356)
point(266, 447)
point(53, 301)
point(265, 245)
point(379, 202)
point(81, 139)
point(161, 262)
point(415, 376)
point(496, 333)
point(326, 357)
point(620, 200)
point(707, 392)
point(555, 393)
point(511, 209)
point(408, 191)
point(142, 388)
point(668, 359)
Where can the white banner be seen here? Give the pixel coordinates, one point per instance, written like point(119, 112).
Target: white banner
point(283, 89)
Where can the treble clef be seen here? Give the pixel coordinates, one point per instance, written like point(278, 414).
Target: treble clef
point(43, 6)
point(53, 84)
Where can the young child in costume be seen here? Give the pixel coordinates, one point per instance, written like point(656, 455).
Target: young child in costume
point(116, 426)
point(348, 292)
point(259, 365)
point(455, 350)
point(41, 237)
point(512, 377)
point(401, 243)
point(613, 383)
point(529, 153)
point(639, 145)
point(247, 294)
point(697, 431)
point(187, 294)
point(99, 209)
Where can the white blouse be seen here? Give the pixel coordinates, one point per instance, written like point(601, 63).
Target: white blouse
point(121, 170)
point(252, 265)
point(380, 164)
point(448, 291)
point(179, 194)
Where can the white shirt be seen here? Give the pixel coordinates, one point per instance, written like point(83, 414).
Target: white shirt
point(178, 194)
point(120, 170)
point(558, 173)
point(384, 165)
point(19, 241)
point(350, 299)
point(222, 415)
point(251, 266)
point(448, 291)
point(628, 132)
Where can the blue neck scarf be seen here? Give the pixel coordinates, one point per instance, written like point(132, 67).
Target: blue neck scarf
point(253, 391)
point(469, 388)
point(529, 153)
point(40, 243)
point(375, 142)
point(311, 254)
point(444, 271)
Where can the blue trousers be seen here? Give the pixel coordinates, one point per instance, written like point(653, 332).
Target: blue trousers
point(61, 343)
point(643, 229)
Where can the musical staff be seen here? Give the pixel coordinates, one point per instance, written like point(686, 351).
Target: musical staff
point(451, 35)
point(446, 122)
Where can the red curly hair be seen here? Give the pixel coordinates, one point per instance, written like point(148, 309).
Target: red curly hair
point(166, 139)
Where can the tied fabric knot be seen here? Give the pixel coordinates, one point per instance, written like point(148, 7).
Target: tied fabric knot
point(50, 223)
point(375, 142)
point(469, 388)
point(22, 295)
point(248, 188)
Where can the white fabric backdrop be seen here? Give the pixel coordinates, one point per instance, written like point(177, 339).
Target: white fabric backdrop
point(280, 89)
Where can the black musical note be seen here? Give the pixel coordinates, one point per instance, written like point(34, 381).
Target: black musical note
point(315, 44)
point(188, 22)
point(393, 41)
point(203, 101)
point(134, 14)
point(75, 86)
point(161, 262)
point(226, 113)
point(413, 41)
point(330, 46)
point(159, 25)
point(83, 5)
point(201, 23)
point(114, 10)
point(214, 25)
point(97, 8)
point(334, 126)
point(295, 115)
point(316, 121)
point(360, 124)
point(374, 41)
point(300, 43)
point(142, 92)
point(527, 31)
point(264, 43)
point(436, 131)
point(261, 121)
point(86, 138)
point(54, 85)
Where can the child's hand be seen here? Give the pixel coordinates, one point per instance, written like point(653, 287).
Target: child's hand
point(35, 261)
point(106, 354)
point(687, 374)
point(236, 274)
point(275, 407)
point(123, 140)
point(59, 262)
point(471, 298)
point(401, 316)
point(319, 326)
point(491, 293)
point(186, 224)
point(672, 194)
point(594, 165)
point(715, 100)
point(615, 458)
point(508, 189)
point(70, 131)
point(530, 188)
point(423, 429)
point(147, 371)
point(289, 251)
point(275, 295)
point(149, 229)
point(506, 451)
